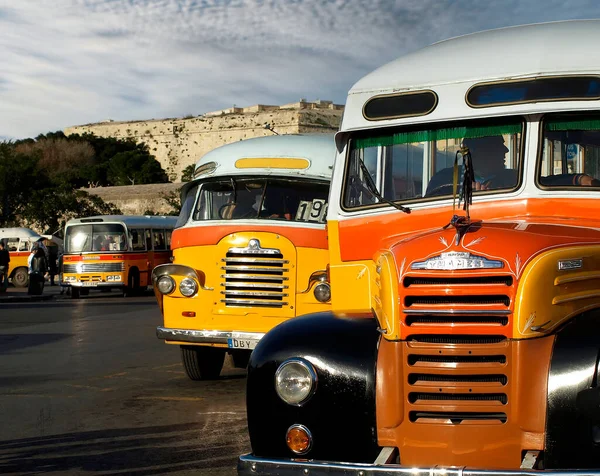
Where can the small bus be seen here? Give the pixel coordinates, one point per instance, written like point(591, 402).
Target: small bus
point(249, 248)
point(114, 251)
point(464, 263)
point(18, 242)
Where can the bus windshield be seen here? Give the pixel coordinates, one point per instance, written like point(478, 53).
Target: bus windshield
point(96, 237)
point(419, 163)
point(270, 198)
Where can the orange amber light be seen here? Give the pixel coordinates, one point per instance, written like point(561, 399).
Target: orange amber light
point(188, 314)
point(299, 439)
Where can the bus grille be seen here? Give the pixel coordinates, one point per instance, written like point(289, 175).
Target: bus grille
point(457, 378)
point(94, 268)
point(254, 279)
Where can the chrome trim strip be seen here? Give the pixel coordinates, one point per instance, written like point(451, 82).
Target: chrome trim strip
point(254, 276)
point(249, 465)
point(254, 302)
point(254, 285)
point(204, 337)
point(251, 259)
point(255, 294)
point(239, 267)
point(445, 312)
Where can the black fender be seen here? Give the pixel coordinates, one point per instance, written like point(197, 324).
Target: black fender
point(572, 417)
point(341, 413)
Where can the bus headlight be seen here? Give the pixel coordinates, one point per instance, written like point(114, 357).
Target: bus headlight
point(165, 284)
point(322, 292)
point(188, 287)
point(295, 381)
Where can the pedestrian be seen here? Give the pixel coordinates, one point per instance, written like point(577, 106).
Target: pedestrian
point(4, 267)
point(52, 259)
point(38, 267)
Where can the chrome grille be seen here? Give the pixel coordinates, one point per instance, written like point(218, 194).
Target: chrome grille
point(254, 277)
point(94, 268)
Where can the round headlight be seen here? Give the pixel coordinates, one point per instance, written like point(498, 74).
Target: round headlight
point(165, 284)
point(188, 287)
point(295, 381)
point(322, 292)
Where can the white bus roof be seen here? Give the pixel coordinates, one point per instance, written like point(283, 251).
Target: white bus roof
point(134, 221)
point(451, 67)
point(24, 233)
point(306, 155)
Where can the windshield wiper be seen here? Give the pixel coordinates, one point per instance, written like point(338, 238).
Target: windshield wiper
point(373, 189)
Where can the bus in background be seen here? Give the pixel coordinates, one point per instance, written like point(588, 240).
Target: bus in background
point(464, 239)
point(18, 242)
point(114, 251)
point(249, 249)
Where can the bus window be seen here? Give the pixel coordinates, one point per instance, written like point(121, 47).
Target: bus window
point(571, 152)
point(137, 240)
point(187, 206)
point(24, 245)
point(12, 244)
point(168, 238)
point(159, 240)
point(148, 239)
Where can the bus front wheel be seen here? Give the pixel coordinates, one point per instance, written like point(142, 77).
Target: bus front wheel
point(133, 284)
point(202, 363)
point(20, 278)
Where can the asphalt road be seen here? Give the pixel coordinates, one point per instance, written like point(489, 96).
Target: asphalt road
point(87, 388)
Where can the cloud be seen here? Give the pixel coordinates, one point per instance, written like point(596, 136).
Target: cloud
point(67, 62)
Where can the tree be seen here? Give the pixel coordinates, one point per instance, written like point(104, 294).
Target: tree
point(63, 161)
point(135, 167)
point(19, 175)
point(30, 196)
point(188, 173)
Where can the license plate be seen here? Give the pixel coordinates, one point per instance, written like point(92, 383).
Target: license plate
point(89, 283)
point(236, 343)
point(455, 263)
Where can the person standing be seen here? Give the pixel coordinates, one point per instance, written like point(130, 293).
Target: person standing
point(38, 267)
point(4, 267)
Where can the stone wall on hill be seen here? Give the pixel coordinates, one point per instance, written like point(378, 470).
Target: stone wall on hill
point(177, 143)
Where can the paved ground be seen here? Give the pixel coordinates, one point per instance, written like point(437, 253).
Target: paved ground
point(87, 388)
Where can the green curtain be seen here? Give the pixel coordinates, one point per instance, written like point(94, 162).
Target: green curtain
point(437, 134)
point(575, 125)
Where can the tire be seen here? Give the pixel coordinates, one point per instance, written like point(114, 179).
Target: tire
point(241, 358)
point(133, 284)
point(84, 292)
point(202, 363)
point(74, 293)
point(20, 278)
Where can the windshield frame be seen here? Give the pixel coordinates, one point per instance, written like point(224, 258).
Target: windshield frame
point(566, 116)
point(262, 178)
point(389, 130)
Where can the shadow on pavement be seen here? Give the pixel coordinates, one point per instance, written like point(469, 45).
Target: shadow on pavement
point(133, 451)
point(12, 342)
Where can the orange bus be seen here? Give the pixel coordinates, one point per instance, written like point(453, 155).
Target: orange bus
point(114, 251)
point(18, 242)
point(464, 253)
point(249, 249)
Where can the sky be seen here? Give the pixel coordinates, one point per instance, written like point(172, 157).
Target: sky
point(72, 62)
